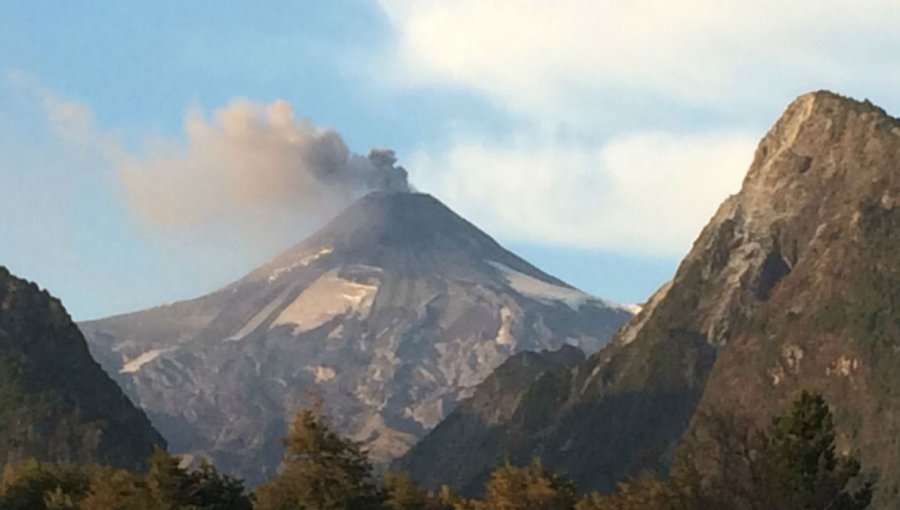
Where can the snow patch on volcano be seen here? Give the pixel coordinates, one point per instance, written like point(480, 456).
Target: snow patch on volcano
point(541, 290)
point(135, 364)
point(326, 298)
point(302, 262)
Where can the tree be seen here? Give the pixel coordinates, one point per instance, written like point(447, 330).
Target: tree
point(446, 499)
point(167, 481)
point(170, 486)
point(804, 469)
point(38, 486)
point(402, 493)
point(175, 488)
point(210, 490)
point(320, 470)
point(165, 486)
point(727, 463)
point(527, 488)
point(792, 464)
point(643, 493)
point(117, 489)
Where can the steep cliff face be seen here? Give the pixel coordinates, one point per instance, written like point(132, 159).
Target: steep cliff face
point(56, 402)
point(394, 312)
point(825, 194)
point(793, 284)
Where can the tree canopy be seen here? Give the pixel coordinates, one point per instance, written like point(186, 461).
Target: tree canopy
point(793, 464)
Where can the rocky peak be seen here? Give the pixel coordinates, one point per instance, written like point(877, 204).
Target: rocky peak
point(804, 154)
point(820, 204)
point(792, 284)
point(819, 159)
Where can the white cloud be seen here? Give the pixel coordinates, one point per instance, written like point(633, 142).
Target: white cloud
point(598, 71)
point(648, 193)
point(570, 60)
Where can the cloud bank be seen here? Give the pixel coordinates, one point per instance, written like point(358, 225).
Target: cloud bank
point(632, 120)
point(544, 59)
point(642, 193)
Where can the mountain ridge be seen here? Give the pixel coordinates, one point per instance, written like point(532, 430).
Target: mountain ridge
point(780, 253)
point(58, 403)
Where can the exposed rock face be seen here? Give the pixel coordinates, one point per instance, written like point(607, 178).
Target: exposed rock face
point(56, 403)
point(471, 434)
point(393, 312)
point(823, 199)
point(795, 283)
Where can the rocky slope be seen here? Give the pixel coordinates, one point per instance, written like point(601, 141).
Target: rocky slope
point(56, 402)
point(470, 434)
point(824, 208)
point(393, 312)
point(793, 284)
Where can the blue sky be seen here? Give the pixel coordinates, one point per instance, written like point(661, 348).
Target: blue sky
point(593, 138)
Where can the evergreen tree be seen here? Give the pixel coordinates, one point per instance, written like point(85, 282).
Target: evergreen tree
point(803, 469)
point(320, 470)
point(38, 486)
point(792, 465)
point(446, 499)
point(167, 481)
point(210, 490)
point(527, 488)
point(644, 493)
point(402, 493)
point(116, 489)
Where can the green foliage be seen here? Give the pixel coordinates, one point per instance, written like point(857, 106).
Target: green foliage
point(175, 488)
point(56, 403)
point(804, 470)
point(115, 489)
point(320, 470)
point(402, 493)
point(167, 481)
point(166, 486)
point(792, 465)
point(211, 490)
point(646, 492)
point(527, 488)
point(38, 486)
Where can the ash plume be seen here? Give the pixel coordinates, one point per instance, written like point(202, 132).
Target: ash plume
point(249, 161)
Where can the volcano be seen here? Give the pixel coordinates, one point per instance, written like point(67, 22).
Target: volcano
point(391, 315)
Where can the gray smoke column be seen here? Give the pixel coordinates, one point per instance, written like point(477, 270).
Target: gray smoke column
point(249, 162)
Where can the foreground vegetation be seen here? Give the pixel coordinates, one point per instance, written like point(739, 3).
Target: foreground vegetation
point(792, 465)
